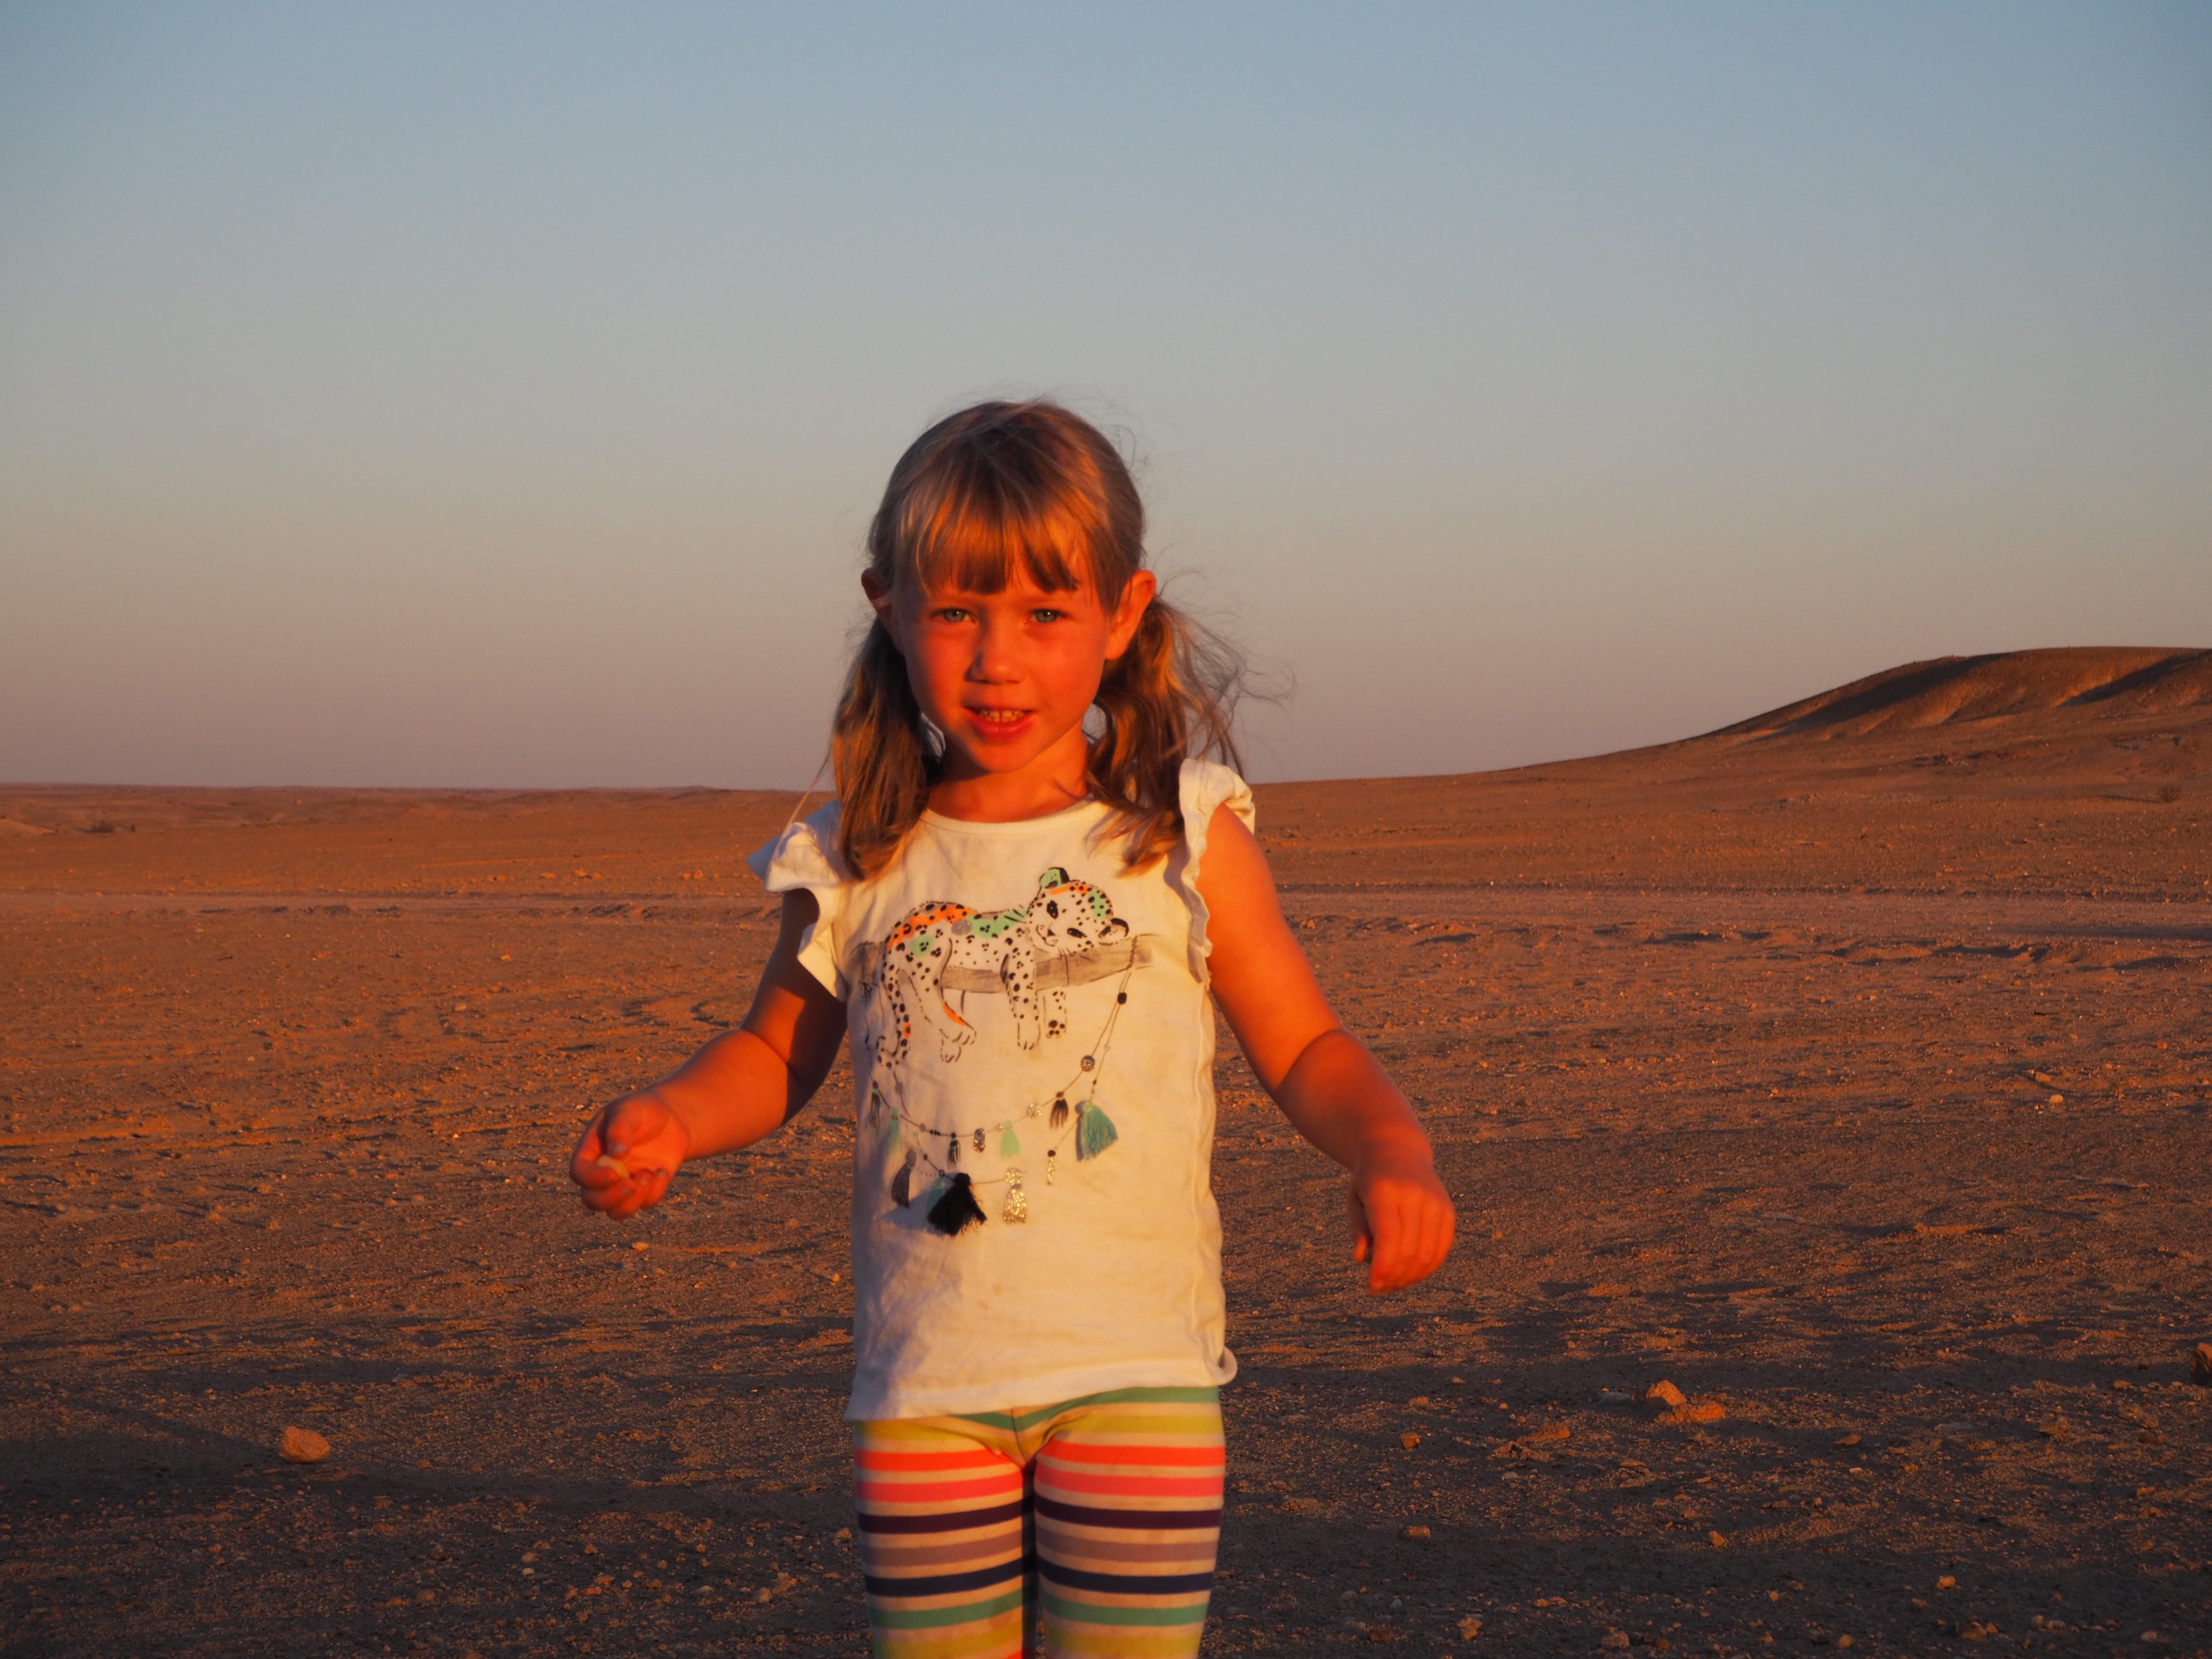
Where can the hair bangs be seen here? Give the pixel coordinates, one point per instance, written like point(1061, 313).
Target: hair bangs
point(973, 541)
point(969, 528)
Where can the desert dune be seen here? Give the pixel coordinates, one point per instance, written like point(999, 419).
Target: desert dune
point(1847, 1068)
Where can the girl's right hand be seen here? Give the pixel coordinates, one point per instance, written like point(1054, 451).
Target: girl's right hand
point(627, 1156)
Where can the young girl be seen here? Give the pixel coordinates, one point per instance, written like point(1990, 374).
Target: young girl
point(1015, 925)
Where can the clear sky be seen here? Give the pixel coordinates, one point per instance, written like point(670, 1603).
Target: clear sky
point(496, 395)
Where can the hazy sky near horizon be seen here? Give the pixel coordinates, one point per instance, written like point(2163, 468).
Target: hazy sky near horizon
point(496, 395)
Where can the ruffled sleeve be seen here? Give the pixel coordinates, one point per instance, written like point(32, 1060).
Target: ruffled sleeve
point(804, 856)
point(1206, 786)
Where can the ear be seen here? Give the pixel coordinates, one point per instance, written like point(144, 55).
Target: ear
point(1137, 596)
point(885, 607)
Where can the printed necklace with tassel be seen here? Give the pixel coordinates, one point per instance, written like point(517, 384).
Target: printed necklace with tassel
point(955, 1209)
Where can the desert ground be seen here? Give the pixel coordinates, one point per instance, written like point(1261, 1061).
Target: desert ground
point(1848, 1069)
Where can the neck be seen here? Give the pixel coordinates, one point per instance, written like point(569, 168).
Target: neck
point(1053, 782)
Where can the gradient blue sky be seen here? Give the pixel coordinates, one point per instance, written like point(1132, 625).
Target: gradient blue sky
point(496, 395)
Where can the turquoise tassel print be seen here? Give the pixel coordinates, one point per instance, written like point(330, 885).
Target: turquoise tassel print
point(1010, 1144)
point(1094, 1131)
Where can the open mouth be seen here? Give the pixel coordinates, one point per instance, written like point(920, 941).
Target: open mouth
point(998, 718)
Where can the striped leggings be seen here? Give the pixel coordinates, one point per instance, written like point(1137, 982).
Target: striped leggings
point(1091, 1524)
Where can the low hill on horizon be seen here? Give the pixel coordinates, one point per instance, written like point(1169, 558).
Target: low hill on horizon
point(2080, 769)
point(2103, 682)
point(2077, 770)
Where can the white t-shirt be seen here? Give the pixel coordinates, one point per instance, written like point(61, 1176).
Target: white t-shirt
point(1028, 1022)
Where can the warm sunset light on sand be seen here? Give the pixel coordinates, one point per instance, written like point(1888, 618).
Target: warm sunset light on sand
point(1842, 1075)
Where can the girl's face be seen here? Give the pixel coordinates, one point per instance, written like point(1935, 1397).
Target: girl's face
point(1007, 677)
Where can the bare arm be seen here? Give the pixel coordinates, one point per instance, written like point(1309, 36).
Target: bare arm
point(1323, 1077)
point(742, 1085)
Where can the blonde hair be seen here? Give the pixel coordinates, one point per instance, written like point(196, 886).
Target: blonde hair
point(1030, 485)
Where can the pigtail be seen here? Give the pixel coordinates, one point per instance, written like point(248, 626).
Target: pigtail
point(883, 767)
point(1171, 697)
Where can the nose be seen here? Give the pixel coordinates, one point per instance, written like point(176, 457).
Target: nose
point(996, 661)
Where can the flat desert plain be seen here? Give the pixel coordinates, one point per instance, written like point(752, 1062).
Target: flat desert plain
point(1848, 1070)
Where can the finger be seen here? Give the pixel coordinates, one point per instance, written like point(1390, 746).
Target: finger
point(607, 1196)
point(1362, 1237)
point(641, 1189)
point(589, 1146)
point(1416, 1242)
point(1437, 1225)
point(1384, 1216)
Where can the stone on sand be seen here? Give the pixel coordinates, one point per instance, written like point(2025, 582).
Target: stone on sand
point(302, 1446)
point(1469, 1628)
point(1663, 1393)
point(1418, 1534)
point(1694, 1411)
point(1409, 1440)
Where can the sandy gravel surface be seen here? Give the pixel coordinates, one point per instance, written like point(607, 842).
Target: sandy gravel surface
point(1878, 1119)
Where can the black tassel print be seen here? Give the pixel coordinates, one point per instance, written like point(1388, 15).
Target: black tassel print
point(957, 1210)
point(902, 1183)
point(952, 1151)
point(1058, 1111)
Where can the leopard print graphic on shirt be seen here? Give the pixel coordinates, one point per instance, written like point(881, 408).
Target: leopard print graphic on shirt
point(1029, 954)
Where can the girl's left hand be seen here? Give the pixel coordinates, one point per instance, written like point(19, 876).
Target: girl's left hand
point(1401, 1217)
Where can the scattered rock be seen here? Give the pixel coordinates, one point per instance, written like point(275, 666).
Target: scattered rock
point(302, 1446)
point(2199, 1366)
point(1610, 1291)
point(1409, 1440)
point(1718, 1540)
point(2056, 1428)
point(1695, 1411)
point(1419, 1534)
point(1614, 1638)
point(1663, 1393)
point(1549, 1431)
point(1947, 1582)
point(1302, 1505)
point(1381, 1633)
point(1849, 1440)
point(1613, 1397)
point(1469, 1628)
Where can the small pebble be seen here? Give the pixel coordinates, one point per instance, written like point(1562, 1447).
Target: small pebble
point(302, 1446)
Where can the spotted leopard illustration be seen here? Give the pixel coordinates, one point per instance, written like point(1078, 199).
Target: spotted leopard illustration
point(1029, 953)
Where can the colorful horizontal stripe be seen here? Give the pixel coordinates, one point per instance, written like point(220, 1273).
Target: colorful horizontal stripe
point(1092, 1523)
